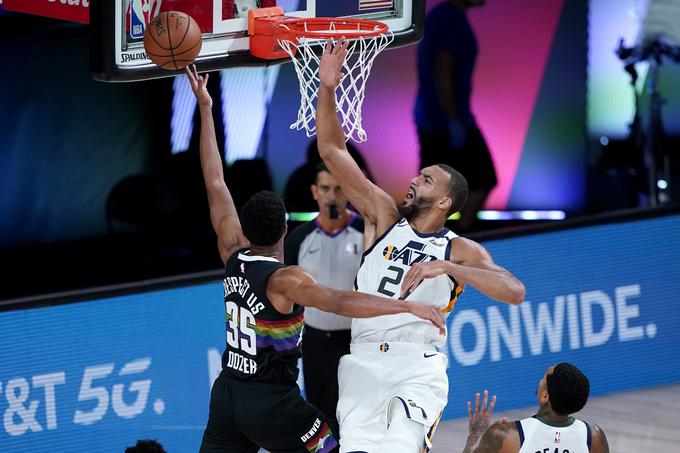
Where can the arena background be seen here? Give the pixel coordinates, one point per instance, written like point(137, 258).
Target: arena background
point(51, 135)
point(93, 371)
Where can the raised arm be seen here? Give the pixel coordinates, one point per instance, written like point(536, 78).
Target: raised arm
point(373, 203)
point(223, 215)
point(292, 285)
point(470, 264)
point(479, 420)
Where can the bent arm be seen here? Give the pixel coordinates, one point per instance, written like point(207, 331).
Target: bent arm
point(302, 289)
point(472, 264)
point(294, 285)
point(346, 303)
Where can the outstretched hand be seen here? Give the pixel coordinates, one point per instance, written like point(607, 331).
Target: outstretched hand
point(430, 313)
point(330, 66)
point(480, 419)
point(199, 85)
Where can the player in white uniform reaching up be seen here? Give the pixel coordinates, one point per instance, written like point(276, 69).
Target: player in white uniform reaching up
point(393, 385)
point(562, 391)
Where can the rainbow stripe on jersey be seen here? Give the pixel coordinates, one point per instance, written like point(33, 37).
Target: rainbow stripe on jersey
point(279, 335)
point(323, 442)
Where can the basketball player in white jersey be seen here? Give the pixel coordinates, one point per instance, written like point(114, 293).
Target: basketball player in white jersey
point(393, 385)
point(562, 391)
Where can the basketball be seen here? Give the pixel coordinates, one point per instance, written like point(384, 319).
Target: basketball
point(172, 40)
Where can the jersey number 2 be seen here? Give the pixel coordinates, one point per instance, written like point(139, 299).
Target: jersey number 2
point(396, 280)
point(243, 321)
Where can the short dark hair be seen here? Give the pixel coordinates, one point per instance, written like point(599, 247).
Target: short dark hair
point(263, 218)
point(457, 190)
point(318, 169)
point(568, 389)
point(146, 446)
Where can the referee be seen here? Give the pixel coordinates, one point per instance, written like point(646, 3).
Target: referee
point(328, 247)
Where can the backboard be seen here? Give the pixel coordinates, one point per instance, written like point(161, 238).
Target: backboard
point(117, 27)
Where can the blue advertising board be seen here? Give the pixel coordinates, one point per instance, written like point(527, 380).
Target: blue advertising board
point(97, 375)
point(601, 297)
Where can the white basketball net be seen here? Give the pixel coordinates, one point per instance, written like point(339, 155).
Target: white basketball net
point(349, 95)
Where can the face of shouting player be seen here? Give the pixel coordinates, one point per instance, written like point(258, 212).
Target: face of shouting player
point(426, 191)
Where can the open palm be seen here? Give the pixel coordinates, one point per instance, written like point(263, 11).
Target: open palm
point(330, 66)
point(199, 85)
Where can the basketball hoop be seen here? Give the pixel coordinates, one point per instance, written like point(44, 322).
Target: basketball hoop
point(274, 36)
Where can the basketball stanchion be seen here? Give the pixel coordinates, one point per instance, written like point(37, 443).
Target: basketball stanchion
point(275, 36)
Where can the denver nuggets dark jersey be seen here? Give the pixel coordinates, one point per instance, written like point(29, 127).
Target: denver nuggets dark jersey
point(381, 273)
point(263, 345)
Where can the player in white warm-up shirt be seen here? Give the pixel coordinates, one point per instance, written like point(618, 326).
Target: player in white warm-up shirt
point(393, 384)
point(562, 391)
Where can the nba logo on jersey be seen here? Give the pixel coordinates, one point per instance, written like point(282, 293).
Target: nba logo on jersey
point(140, 13)
point(557, 437)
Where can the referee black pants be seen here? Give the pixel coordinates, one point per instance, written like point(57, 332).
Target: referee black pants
point(321, 352)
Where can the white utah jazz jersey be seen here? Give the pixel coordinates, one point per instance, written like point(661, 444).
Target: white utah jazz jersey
point(381, 273)
point(539, 436)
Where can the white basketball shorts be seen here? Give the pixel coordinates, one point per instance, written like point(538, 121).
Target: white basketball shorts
point(377, 379)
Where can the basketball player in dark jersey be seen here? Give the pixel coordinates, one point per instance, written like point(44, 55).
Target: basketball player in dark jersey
point(255, 402)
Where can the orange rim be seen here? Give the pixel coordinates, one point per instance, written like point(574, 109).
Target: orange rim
point(318, 28)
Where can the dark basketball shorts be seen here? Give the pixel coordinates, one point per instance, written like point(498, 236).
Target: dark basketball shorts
point(245, 416)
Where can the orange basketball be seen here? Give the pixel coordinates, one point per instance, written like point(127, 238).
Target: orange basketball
point(172, 40)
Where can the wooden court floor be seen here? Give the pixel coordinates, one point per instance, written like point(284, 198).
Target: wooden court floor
point(640, 421)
